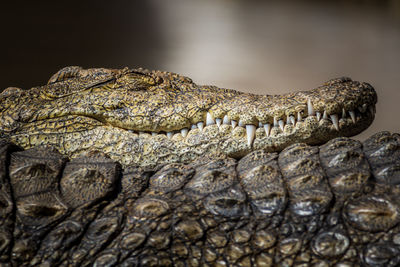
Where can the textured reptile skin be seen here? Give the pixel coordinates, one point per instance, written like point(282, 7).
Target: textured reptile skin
point(164, 117)
point(338, 203)
point(146, 168)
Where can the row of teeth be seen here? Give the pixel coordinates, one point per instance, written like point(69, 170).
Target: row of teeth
point(291, 120)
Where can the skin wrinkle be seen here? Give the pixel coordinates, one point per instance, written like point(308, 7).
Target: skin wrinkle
point(108, 110)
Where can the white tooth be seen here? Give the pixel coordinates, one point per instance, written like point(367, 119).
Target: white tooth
point(194, 126)
point(267, 128)
point(343, 113)
point(318, 115)
point(288, 120)
point(184, 132)
point(335, 121)
point(233, 123)
point(260, 124)
point(153, 133)
point(275, 122)
point(169, 134)
point(292, 120)
point(241, 124)
point(281, 125)
point(218, 121)
point(325, 116)
point(311, 111)
point(353, 116)
point(200, 125)
point(209, 119)
point(251, 132)
point(226, 120)
point(299, 118)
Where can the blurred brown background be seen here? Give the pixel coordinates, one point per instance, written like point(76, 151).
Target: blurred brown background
point(265, 47)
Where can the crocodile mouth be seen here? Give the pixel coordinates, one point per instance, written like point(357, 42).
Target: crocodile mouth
point(340, 107)
point(158, 113)
point(346, 123)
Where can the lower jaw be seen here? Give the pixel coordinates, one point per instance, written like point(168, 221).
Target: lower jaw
point(214, 140)
point(146, 150)
point(313, 132)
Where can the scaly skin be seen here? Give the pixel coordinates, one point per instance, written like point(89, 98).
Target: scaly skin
point(333, 205)
point(149, 118)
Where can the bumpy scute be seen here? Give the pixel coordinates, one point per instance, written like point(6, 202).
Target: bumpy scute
point(346, 165)
point(88, 179)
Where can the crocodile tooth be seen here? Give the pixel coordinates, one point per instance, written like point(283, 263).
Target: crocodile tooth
point(200, 125)
point(260, 124)
point(353, 116)
point(343, 113)
point(209, 119)
point(169, 135)
point(275, 122)
point(184, 132)
point(218, 121)
point(325, 116)
point(311, 111)
point(318, 115)
point(299, 118)
point(194, 126)
point(288, 120)
point(251, 132)
point(233, 123)
point(241, 124)
point(281, 124)
point(153, 133)
point(267, 128)
point(226, 120)
point(335, 121)
point(292, 120)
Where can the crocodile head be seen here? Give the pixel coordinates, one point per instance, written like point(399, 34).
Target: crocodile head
point(144, 117)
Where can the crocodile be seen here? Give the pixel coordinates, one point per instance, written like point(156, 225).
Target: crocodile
point(163, 117)
point(265, 181)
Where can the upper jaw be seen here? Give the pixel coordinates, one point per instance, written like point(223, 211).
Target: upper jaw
point(340, 107)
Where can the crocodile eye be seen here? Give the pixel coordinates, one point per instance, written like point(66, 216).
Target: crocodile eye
point(134, 81)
